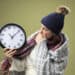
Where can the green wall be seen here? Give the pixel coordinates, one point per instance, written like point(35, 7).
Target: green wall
point(28, 13)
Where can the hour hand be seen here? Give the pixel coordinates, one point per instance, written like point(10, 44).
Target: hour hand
point(10, 35)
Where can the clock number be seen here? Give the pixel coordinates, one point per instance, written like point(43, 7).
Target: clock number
point(9, 46)
point(9, 27)
point(14, 46)
point(18, 44)
point(2, 34)
point(21, 40)
point(21, 34)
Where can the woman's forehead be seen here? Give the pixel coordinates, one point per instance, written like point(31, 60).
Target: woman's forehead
point(43, 26)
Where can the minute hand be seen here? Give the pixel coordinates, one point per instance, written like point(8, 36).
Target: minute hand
point(15, 34)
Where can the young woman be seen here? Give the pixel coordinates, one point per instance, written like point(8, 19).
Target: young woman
point(49, 55)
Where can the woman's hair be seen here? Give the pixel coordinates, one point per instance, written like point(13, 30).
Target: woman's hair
point(63, 9)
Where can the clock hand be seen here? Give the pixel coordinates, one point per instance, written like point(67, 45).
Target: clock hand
point(15, 34)
point(10, 35)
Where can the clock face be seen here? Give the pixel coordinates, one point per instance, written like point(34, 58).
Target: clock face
point(12, 36)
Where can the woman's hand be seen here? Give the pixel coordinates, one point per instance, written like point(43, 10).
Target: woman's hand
point(9, 52)
point(39, 37)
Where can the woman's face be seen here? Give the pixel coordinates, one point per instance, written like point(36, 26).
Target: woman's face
point(46, 32)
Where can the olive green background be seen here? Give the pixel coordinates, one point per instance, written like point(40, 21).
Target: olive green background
point(28, 14)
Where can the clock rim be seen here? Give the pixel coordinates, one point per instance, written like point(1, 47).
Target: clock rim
point(11, 24)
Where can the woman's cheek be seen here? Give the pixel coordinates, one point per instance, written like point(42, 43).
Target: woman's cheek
point(46, 35)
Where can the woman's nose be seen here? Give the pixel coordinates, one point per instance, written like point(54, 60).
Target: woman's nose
point(41, 30)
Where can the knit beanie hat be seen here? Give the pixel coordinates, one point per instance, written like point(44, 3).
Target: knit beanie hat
point(55, 21)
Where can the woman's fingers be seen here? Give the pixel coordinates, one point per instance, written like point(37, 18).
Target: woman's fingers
point(6, 49)
point(39, 37)
point(10, 55)
point(12, 52)
point(9, 52)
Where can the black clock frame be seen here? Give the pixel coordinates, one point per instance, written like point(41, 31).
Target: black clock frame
point(10, 24)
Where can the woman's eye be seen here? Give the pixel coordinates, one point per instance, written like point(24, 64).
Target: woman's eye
point(43, 28)
point(46, 29)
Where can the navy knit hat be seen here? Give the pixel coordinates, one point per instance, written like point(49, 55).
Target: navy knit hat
point(55, 21)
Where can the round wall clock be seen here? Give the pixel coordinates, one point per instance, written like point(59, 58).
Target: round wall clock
point(12, 36)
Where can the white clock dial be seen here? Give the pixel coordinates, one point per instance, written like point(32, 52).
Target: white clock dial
point(12, 36)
